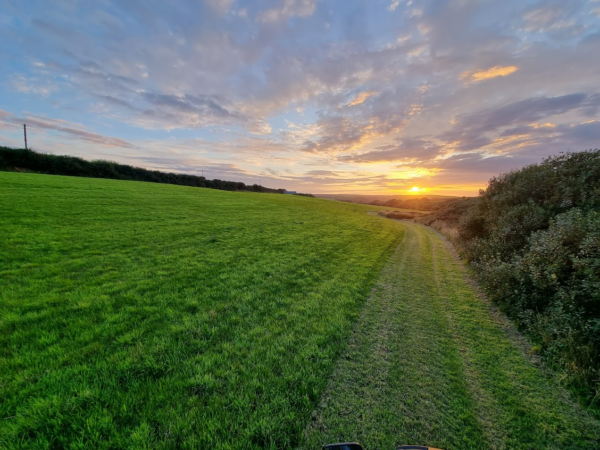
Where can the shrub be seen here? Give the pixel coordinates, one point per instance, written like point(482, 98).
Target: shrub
point(560, 291)
point(533, 237)
point(399, 215)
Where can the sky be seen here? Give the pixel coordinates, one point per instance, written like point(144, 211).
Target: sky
point(320, 96)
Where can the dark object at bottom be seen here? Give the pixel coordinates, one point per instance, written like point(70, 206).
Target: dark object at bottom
point(356, 446)
point(343, 446)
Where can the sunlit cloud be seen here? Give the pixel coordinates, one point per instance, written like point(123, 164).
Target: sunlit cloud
point(410, 173)
point(543, 125)
point(493, 72)
point(360, 98)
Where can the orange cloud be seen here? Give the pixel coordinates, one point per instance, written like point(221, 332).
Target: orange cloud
point(360, 98)
point(408, 173)
point(496, 71)
point(543, 125)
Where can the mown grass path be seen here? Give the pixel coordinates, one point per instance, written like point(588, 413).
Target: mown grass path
point(428, 363)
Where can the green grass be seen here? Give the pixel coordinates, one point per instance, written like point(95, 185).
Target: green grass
point(428, 363)
point(138, 315)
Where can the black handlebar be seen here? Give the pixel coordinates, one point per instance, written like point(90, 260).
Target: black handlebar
point(356, 446)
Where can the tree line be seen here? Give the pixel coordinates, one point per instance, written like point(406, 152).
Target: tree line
point(25, 160)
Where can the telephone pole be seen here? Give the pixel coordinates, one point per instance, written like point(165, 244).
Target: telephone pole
point(25, 134)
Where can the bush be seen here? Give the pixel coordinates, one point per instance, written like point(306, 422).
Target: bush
point(558, 292)
point(399, 215)
point(447, 218)
point(533, 237)
point(422, 204)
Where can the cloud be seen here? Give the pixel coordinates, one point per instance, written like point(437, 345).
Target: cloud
point(540, 17)
point(287, 10)
point(220, 5)
point(321, 173)
point(361, 97)
point(478, 163)
point(342, 134)
point(493, 72)
point(472, 131)
point(68, 129)
point(187, 110)
point(394, 5)
point(408, 150)
point(326, 181)
point(528, 110)
point(33, 85)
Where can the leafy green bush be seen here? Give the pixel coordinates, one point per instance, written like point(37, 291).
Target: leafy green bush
point(534, 239)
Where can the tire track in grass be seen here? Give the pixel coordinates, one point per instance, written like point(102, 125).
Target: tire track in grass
point(428, 364)
point(487, 410)
point(519, 407)
point(369, 344)
point(409, 404)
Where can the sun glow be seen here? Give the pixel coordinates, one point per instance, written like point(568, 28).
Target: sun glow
point(416, 189)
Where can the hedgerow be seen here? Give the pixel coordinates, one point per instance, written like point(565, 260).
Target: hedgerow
point(533, 238)
point(26, 160)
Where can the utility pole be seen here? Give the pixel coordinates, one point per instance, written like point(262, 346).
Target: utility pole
point(25, 134)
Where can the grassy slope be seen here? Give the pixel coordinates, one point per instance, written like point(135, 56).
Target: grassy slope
point(137, 314)
point(427, 364)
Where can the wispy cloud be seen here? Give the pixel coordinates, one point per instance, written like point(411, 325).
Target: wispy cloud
point(288, 9)
point(33, 85)
point(68, 129)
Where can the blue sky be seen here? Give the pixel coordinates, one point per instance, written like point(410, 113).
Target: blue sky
point(318, 96)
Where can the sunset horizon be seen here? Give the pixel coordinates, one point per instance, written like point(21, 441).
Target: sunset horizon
point(313, 96)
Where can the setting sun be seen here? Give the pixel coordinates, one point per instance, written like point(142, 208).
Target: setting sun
point(416, 189)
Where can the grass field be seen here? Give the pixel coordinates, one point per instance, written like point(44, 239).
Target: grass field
point(147, 315)
point(138, 315)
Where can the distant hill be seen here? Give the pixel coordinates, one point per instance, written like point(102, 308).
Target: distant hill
point(368, 198)
point(422, 203)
